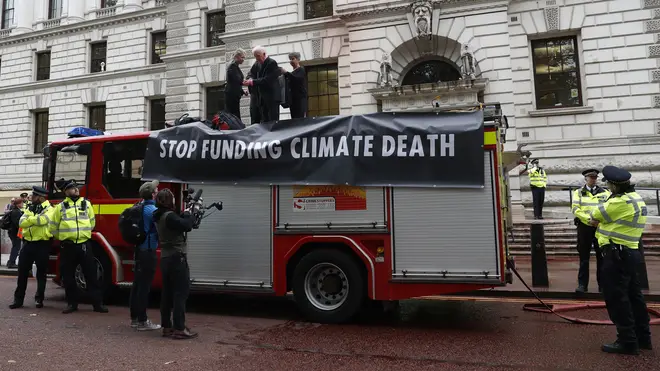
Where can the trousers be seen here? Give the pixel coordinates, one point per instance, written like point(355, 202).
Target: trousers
point(33, 252)
point(15, 249)
point(145, 269)
point(233, 104)
point(538, 198)
point(623, 294)
point(586, 241)
point(270, 110)
point(176, 288)
point(71, 256)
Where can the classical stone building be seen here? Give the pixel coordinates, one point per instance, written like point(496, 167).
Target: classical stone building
point(577, 79)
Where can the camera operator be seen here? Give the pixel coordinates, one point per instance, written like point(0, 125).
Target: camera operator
point(172, 229)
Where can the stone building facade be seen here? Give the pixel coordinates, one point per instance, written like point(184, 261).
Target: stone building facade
point(577, 79)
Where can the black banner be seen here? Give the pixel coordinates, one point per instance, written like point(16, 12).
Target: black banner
point(402, 149)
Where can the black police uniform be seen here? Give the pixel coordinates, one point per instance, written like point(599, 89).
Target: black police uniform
point(621, 287)
point(37, 252)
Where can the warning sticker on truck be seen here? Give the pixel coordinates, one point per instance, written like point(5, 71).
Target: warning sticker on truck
point(329, 198)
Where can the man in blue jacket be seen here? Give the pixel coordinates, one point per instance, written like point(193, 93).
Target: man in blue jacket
point(145, 262)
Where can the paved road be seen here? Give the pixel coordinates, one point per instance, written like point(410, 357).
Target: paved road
point(267, 334)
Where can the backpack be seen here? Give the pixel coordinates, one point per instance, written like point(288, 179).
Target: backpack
point(131, 224)
point(5, 222)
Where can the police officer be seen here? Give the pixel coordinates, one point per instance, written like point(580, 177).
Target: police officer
point(73, 222)
point(26, 200)
point(584, 201)
point(36, 249)
point(538, 179)
point(620, 222)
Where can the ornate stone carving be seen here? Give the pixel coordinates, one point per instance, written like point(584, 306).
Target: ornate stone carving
point(422, 12)
point(552, 18)
point(468, 64)
point(385, 74)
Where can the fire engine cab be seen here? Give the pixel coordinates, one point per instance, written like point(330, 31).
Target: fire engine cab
point(335, 247)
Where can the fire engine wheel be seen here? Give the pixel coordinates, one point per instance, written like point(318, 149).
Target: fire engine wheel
point(328, 286)
point(103, 273)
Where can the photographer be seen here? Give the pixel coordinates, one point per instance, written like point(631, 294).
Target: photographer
point(172, 228)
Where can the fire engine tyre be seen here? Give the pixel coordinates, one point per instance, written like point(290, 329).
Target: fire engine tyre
point(329, 286)
point(103, 274)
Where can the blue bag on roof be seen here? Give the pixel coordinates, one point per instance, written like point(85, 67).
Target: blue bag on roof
point(83, 132)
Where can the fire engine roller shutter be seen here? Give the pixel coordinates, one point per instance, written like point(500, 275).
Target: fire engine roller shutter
point(451, 231)
point(233, 244)
point(359, 216)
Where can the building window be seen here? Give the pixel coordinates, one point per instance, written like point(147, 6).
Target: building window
point(215, 100)
point(7, 13)
point(215, 28)
point(556, 73)
point(322, 90)
point(431, 72)
point(99, 51)
point(157, 113)
point(108, 3)
point(158, 46)
point(318, 8)
point(54, 9)
point(97, 117)
point(43, 66)
point(40, 131)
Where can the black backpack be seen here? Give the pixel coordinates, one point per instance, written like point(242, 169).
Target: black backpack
point(131, 224)
point(5, 222)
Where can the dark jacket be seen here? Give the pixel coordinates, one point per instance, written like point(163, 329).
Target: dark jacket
point(15, 217)
point(266, 82)
point(253, 74)
point(298, 84)
point(171, 231)
point(234, 79)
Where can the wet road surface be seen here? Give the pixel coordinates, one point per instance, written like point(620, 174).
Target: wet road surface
point(239, 333)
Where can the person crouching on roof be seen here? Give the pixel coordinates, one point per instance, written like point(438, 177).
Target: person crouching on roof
point(172, 228)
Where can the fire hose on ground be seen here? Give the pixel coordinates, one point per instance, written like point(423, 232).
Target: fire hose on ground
point(558, 309)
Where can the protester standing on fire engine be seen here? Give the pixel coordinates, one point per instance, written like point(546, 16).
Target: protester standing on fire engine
point(584, 201)
point(145, 261)
point(234, 87)
point(298, 83)
point(172, 229)
point(620, 221)
point(36, 248)
point(73, 220)
point(538, 179)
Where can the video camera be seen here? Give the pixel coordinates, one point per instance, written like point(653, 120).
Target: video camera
point(194, 202)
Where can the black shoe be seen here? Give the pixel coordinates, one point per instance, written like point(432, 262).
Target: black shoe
point(581, 289)
point(39, 303)
point(70, 309)
point(100, 309)
point(15, 305)
point(646, 345)
point(619, 348)
point(12, 266)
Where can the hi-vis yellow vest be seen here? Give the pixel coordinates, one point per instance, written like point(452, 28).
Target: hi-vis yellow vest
point(622, 220)
point(537, 177)
point(584, 202)
point(36, 227)
point(72, 221)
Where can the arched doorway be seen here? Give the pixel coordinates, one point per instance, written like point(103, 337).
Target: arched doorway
point(430, 72)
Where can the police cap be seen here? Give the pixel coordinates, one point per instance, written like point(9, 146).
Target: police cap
point(39, 191)
point(615, 175)
point(535, 160)
point(591, 173)
point(70, 184)
point(24, 194)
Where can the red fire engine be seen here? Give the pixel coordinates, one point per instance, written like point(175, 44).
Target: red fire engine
point(352, 245)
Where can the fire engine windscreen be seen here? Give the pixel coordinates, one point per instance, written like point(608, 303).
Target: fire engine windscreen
point(195, 203)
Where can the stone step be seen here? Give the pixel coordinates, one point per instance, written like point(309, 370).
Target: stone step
point(566, 246)
point(568, 236)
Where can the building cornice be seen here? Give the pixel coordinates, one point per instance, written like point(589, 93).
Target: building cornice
point(401, 6)
point(90, 77)
point(215, 51)
point(309, 25)
point(85, 25)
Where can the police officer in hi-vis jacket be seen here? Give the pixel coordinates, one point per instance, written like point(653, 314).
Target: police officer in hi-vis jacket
point(73, 221)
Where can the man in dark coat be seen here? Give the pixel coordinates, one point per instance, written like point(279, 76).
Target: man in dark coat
point(255, 106)
point(234, 89)
point(298, 84)
point(268, 85)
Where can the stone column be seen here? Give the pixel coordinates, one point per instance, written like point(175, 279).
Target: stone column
point(23, 16)
point(132, 5)
point(74, 11)
point(175, 103)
